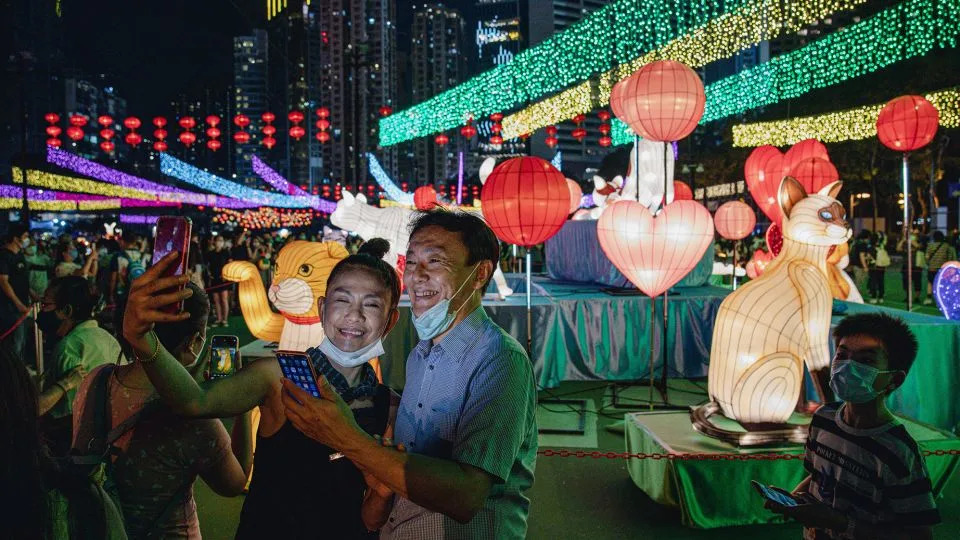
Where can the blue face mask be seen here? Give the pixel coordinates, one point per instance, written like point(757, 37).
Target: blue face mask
point(853, 381)
point(438, 319)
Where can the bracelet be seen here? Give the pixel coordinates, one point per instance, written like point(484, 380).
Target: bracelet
point(156, 350)
point(62, 387)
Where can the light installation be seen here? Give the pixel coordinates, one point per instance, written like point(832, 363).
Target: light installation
point(274, 178)
point(180, 170)
point(43, 179)
point(264, 218)
point(134, 219)
point(393, 191)
point(849, 125)
point(612, 35)
point(910, 29)
point(720, 38)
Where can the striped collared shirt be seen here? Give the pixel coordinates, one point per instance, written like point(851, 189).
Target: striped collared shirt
point(876, 475)
point(470, 398)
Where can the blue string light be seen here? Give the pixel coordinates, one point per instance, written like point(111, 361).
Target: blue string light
point(386, 183)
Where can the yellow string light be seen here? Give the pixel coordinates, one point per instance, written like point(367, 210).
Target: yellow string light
point(849, 125)
point(14, 203)
point(720, 38)
point(107, 204)
point(60, 182)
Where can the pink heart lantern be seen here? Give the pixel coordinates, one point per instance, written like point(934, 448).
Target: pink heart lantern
point(802, 150)
point(655, 252)
point(763, 172)
point(946, 290)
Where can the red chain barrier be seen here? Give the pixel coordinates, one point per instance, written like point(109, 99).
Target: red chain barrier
point(15, 325)
point(699, 457)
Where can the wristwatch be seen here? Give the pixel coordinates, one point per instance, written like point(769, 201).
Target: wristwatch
point(851, 528)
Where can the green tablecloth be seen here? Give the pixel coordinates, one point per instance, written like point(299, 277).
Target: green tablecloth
point(714, 494)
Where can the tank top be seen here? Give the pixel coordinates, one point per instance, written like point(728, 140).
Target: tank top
point(298, 493)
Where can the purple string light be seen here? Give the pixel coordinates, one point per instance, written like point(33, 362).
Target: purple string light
point(274, 178)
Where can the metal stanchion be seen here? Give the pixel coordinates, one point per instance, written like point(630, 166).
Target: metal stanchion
point(37, 339)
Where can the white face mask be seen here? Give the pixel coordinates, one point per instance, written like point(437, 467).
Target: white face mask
point(438, 319)
point(196, 356)
point(351, 359)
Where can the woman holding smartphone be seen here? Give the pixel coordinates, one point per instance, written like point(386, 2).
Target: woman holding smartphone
point(299, 490)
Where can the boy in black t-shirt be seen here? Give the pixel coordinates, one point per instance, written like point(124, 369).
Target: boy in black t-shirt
point(14, 286)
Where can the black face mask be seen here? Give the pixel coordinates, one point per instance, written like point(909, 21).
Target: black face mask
point(48, 322)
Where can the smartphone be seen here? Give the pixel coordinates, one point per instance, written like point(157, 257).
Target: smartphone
point(224, 356)
point(173, 234)
point(297, 367)
point(775, 495)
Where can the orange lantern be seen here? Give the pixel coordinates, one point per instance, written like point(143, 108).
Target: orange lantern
point(814, 173)
point(425, 198)
point(907, 123)
point(526, 200)
point(734, 220)
point(662, 101)
point(576, 194)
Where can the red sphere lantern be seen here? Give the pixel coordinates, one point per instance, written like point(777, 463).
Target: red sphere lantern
point(241, 137)
point(814, 173)
point(269, 142)
point(323, 136)
point(160, 134)
point(763, 172)
point(578, 119)
point(131, 122)
point(160, 146)
point(526, 200)
point(268, 117)
point(213, 132)
point(269, 130)
point(605, 141)
point(295, 116)
point(133, 139)
point(323, 112)
point(425, 198)
point(105, 120)
point(107, 147)
point(212, 120)
point(907, 123)
point(214, 144)
point(603, 115)
point(579, 134)
point(551, 131)
point(296, 132)
point(802, 150)
point(441, 139)
point(734, 220)
point(54, 131)
point(681, 191)
point(78, 120)
point(75, 133)
point(604, 129)
point(496, 128)
point(241, 120)
point(51, 117)
point(496, 117)
point(187, 138)
point(662, 101)
point(107, 133)
point(159, 121)
point(188, 122)
point(496, 140)
point(386, 110)
point(468, 131)
point(323, 124)
point(551, 141)
point(54, 142)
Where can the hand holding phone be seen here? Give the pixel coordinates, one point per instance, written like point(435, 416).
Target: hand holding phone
point(297, 367)
point(776, 495)
point(225, 356)
point(173, 234)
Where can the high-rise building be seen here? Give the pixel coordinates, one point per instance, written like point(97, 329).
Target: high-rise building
point(438, 62)
point(250, 97)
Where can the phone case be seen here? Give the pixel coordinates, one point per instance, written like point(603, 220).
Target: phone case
point(173, 234)
point(297, 367)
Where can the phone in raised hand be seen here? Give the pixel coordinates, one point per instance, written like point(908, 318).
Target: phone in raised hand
point(173, 234)
point(224, 356)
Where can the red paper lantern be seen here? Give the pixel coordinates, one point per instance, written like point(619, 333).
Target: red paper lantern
point(268, 117)
point(54, 131)
point(323, 112)
point(496, 140)
point(107, 147)
point(425, 198)
point(323, 124)
point(212, 120)
point(551, 141)
point(241, 137)
point(54, 142)
point(160, 146)
point(603, 115)
point(269, 130)
point(662, 101)
point(526, 200)
point(496, 128)
point(105, 120)
point(441, 139)
point(802, 150)
point(160, 134)
point(734, 220)
point(578, 119)
point(576, 194)
point(907, 123)
point(604, 129)
point(107, 133)
point(814, 173)
point(159, 121)
point(468, 131)
point(386, 110)
point(496, 117)
point(131, 122)
point(269, 142)
point(551, 130)
point(51, 117)
point(78, 120)
point(75, 133)
point(579, 134)
point(605, 141)
point(296, 132)
point(188, 122)
point(213, 132)
point(323, 136)
point(763, 172)
point(213, 144)
point(681, 191)
point(133, 139)
point(241, 120)
point(295, 116)
point(188, 138)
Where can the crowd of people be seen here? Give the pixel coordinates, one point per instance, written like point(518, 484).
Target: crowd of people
point(453, 456)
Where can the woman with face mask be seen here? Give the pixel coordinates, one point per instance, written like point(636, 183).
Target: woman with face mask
point(67, 265)
point(300, 489)
point(163, 454)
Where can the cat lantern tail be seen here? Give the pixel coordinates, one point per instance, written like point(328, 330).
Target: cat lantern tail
point(300, 279)
point(767, 329)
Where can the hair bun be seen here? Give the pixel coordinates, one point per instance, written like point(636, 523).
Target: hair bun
point(375, 247)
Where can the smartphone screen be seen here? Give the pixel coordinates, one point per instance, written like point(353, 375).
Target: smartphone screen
point(224, 356)
point(774, 495)
point(173, 234)
point(297, 367)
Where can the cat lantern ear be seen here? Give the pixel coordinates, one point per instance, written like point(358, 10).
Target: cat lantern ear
point(485, 169)
point(361, 198)
point(831, 190)
point(790, 193)
point(348, 198)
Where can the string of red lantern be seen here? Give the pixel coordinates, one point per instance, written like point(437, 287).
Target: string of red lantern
point(441, 139)
point(213, 132)
point(551, 139)
point(605, 139)
point(132, 138)
point(323, 125)
point(579, 133)
point(53, 130)
point(75, 131)
point(296, 130)
point(159, 134)
point(268, 129)
point(241, 136)
point(468, 131)
point(187, 137)
point(106, 133)
point(496, 139)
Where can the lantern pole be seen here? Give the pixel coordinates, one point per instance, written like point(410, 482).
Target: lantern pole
point(736, 246)
point(907, 229)
point(653, 337)
point(529, 310)
point(460, 179)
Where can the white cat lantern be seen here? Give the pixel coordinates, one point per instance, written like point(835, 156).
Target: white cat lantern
point(651, 165)
point(767, 329)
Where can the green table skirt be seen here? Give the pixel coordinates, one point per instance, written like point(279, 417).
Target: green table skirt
point(714, 494)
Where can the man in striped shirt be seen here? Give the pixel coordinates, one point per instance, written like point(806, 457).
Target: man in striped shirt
point(867, 477)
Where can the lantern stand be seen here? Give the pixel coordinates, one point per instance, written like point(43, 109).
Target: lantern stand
point(733, 273)
point(907, 229)
point(529, 309)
